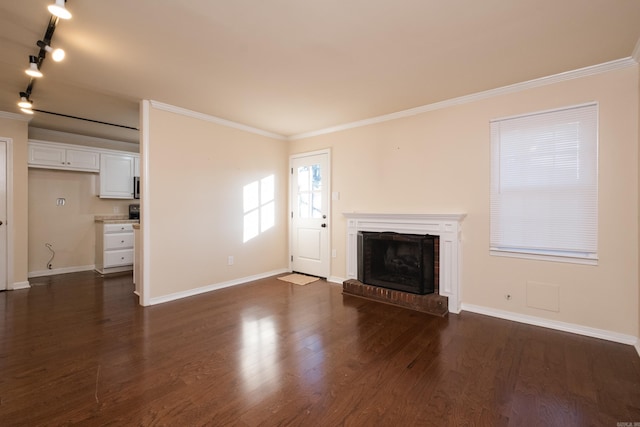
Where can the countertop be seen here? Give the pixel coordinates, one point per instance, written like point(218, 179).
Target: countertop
point(116, 219)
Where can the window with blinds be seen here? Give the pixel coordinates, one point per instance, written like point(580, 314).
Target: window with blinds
point(544, 185)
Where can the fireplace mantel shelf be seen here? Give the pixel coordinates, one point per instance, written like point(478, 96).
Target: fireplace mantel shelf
point(389, 216)
point(447, 226)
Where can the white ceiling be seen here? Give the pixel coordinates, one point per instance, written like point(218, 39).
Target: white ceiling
point(294, 66)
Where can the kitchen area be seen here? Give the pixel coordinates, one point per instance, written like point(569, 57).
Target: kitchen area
point(83, 205)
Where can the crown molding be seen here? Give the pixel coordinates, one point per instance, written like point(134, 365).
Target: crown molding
point(530, 84)
point(14, 116)
point(213, 119)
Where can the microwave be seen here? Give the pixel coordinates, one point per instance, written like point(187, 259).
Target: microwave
point(136, 187)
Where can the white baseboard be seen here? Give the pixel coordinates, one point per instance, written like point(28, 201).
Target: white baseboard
point(553, 324)
point(63, 270)
point(334, 279)
point(19, 285)
point(214, 287)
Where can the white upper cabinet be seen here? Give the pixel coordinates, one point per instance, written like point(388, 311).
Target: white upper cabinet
point(136, 166)
point(116, 176)
point(116, 168)
point(58, 156)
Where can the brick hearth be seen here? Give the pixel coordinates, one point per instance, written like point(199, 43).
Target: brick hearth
point(430, 303)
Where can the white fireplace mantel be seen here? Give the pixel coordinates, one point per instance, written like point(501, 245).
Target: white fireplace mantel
point(447, 226)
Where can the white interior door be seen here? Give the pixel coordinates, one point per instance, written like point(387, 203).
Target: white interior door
point(310, 222)
point(4, 255)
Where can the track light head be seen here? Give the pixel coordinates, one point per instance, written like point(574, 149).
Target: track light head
point(33, 70)
point(58, 9)
point(56, 54)
point(24, 101)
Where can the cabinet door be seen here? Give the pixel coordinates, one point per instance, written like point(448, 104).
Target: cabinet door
point(42, 155)
point(83, 160)
point(116, 176)
point(136, 165)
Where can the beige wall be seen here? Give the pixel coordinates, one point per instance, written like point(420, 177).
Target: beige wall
point(197, 171)
point(439, 162)
point(17, 131)
point(88, 141)
point(69, 228)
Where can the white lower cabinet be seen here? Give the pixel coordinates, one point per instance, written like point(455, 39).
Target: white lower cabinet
point(114, 247)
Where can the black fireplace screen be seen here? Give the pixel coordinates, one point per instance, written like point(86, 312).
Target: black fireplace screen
point(404, 262)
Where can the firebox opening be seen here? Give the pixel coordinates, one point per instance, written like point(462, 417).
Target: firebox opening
point(404, 262)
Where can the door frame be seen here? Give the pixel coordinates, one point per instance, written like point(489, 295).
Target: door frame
point(8, 168)
point(326, 151)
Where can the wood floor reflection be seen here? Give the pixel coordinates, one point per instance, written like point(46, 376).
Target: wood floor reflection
point(76, 349)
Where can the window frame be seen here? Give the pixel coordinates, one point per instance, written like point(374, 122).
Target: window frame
point(499, 203)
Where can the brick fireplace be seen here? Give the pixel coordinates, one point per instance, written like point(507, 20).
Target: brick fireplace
point(448, 227)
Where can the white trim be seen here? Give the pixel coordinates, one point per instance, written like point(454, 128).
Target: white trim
point(542, 257)
point(9, 219)
point(14, 116)
point(214, 287)
point(334, 279)
point(145, 218)
point(542, 112)
point(20, 285)
point(213, 119)
point(63, 270)
point(517, 87)
point(552, 324)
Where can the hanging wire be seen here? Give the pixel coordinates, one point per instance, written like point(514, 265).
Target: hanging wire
point(53, 254)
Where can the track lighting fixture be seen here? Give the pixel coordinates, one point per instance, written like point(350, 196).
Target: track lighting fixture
point(33, 69)
point(56, 54)
point(58, 9)
point(24, 101)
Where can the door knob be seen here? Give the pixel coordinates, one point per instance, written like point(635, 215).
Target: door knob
point(323, 225)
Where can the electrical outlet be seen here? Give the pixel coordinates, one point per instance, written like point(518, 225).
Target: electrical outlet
point(230, 260)
point(116, 209)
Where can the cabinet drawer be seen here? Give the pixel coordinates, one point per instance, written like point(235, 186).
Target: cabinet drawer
point(118, 257)
point(118, 241)
point(118, 228)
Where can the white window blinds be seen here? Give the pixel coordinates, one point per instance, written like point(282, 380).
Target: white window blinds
point(544, 184)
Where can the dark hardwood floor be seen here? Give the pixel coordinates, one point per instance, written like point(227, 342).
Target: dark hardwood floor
point(78, 350)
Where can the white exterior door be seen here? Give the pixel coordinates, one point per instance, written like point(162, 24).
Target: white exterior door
point(4, 254)
point(310, 222)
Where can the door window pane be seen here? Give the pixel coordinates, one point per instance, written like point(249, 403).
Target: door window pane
point(317, 205)
point(303, 179)
point(316, 177)
point(303, 205)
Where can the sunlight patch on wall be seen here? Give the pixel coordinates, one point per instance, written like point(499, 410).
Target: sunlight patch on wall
point(259, 207)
